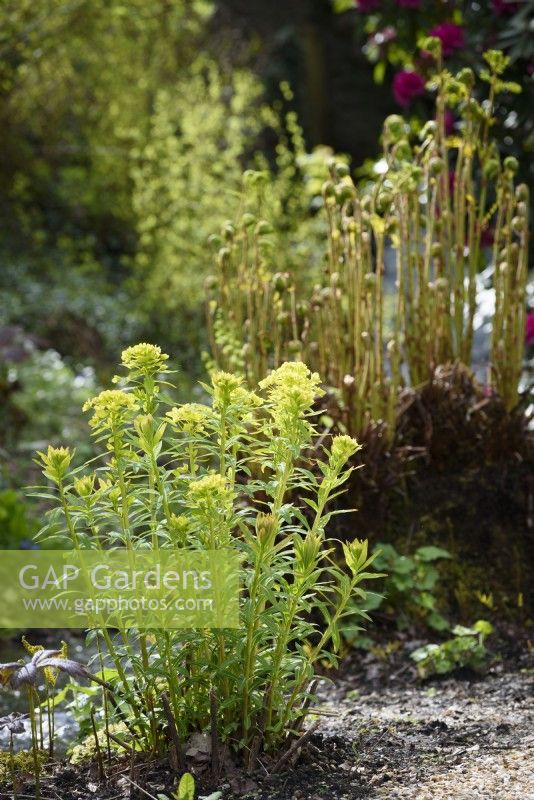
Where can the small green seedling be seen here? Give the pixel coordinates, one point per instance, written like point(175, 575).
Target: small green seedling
point(185, 790)
point(466, 649)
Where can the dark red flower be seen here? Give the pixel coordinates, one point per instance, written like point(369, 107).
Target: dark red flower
point(407, 85)
point(366, 6)
point(409, 3)
point(529, 328)
point(452, 37)
point(504, 7)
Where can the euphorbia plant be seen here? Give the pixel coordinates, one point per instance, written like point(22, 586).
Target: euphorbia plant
point(235, 473)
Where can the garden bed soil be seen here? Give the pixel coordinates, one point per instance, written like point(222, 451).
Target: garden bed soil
point(382, 735)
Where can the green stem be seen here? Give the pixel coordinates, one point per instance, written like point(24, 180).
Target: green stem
point(68, 519)
point(35, 746)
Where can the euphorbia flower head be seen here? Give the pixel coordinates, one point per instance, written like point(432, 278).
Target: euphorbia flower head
point(144, 359)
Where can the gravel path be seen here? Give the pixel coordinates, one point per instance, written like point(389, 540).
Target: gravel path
point(454, 740)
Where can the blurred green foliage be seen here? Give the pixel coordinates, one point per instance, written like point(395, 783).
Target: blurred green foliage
point(77, 86)
point(16, 528)
point(186, 185)
point(41, 396)
point(73, 309)
point(127, 128)
point(50, 398)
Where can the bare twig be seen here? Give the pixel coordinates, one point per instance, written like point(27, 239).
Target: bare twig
point(215, 761)
point(101, 773)
point(120, 742)
point(173, 731)
point(258, 738)
point(295, 747)
point(133, 784)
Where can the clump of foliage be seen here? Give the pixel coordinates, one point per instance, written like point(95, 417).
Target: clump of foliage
point(408, 589)
point(177, 176)
point(434, 201)
point(406, 595)
point(231, 474)
point(14, 766)
point(466, 649)
point(39, 392)
point(45, 388)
